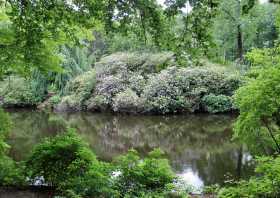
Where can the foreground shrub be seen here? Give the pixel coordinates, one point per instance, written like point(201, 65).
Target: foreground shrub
point(266, 184)
point(217, 104)
point(66, 163)
point(11, 173)
point(153, 174)
point(17, 92)
point(60, 158)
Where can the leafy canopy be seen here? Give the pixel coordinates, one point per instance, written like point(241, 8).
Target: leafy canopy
point(32, 31)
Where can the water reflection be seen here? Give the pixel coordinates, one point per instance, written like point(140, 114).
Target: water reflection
point(198, 146)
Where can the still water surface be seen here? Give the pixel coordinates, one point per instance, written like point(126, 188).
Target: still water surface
point(199, 147)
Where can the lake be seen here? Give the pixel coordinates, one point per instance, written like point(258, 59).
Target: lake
point(198, 146)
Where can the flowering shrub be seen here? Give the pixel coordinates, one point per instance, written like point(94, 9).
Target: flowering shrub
point(98, 103)
point(137, 83)
point(179, 90)
point(130, 83)
point(109, 86)
point(127, 102)
point(144, 63)
point(217, 104)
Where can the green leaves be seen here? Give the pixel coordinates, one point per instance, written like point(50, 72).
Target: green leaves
point(67, 163)
point(266, 184)
point(259, 105)
point(60, 158)
point(152, 174)
point(32, 32)
point(5, 126)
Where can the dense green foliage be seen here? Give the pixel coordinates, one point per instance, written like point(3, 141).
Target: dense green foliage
point(59, 159)
point(4, 130)
point(18, 92)
point(215, 104)
point(259, 108)
point(153, 174)
point(68, 164)
point(236, 32)
point(258, 125)
point(10, 172)
point(32, 32)
point(76, 61)
point(266, 184)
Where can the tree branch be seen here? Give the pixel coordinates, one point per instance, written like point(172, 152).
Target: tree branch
point(271, 134)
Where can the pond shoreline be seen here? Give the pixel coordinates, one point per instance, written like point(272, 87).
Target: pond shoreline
point(26, 192)
point(47, 192)
point(234, 113)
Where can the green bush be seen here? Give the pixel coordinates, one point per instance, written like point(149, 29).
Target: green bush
point(153, 174)
point(78, 91)
point(217, 104)
point(67, 163)
point(60, 158)
point(11, 173)
point(265, 184)
point(17, 91)
point(54, 100)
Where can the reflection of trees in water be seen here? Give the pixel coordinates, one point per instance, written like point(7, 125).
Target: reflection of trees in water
point(172, 134)
point(29, 128)
point(200, 141)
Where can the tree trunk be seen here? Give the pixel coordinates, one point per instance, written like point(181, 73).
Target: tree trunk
point(240, 51)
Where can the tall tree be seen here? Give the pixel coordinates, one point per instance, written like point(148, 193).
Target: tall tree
point(239, 27)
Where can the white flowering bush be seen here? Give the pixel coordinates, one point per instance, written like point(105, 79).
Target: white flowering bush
point(182, 89)
point(98, 103)
point(137, 83)
point(109, 86)
point(144, 63)
point(131, 82)
point(162, 93)
point(127, 102)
